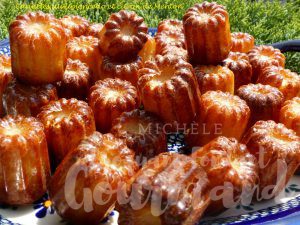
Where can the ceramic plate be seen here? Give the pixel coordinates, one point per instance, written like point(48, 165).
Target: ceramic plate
point(42, 212)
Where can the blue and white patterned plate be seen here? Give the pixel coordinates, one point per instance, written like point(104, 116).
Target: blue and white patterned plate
point(42, 212)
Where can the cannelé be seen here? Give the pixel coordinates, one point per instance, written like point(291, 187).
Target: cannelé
point(76, 80)
point(215, 78)
point(169, 189)
point(168, 88)
point(143, 133)
point(264, 101)
point(66, 123)
point(286, 81)
point(109, 98)
point(239, 64)
point(123, 35)
point(207, 33)
point(99, 163)
point(38, 46)
point(241, 42)
point(230, 165)
point(221, 114)
point(24, 161)
point(277, 150)
point(290, 114)
point(263, 56)
point(19, 98)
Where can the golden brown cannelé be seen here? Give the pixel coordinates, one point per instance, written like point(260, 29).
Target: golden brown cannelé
point(170, 189)
point(167, 39)
point(239, 64)
point(290, 114)
point(123, 35)
point(149, 50)
point(264, 101)
point(76, 81)
point(86, 49)
point(37, 43)
point(263, 56)
point(170, 25)
point(241, 42)
point(76, 25)
point(286, 81)
point(168, 88)
point(277, 149)
point(99, 163)
point(143, 133)
point(230, 165)
point(109, 98)
point(24, 161)
point(66, 123)
point(123, 70)
point(94, 30)
point(6, 77)
point(207, 33)
point(221, 114)
point(19, 98)
point(215, 78)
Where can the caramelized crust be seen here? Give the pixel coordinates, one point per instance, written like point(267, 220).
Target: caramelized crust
point(123, 36)
point(24, 162)
point(109, 98)
point(176, 52)
point(86, 49)
point(76, 81)
point(98, 162)
point(122, 70)
point(6, 77)
point(66, 123)
point(221, 114)
point(27, 100)
point(170, 189)
point(168, 88)
point(143, 133)
point(264, 101)
point(38, 43)
point(241, 42)
point(167, 39)
point(277, 149)
point(290, 114)
point(94, 30)
point(149, 50)
point(207, 33)
point(76, 25)
point(215, 78)
point(286, 81)
point(263, 56)
point(239, 64)
point(170, 25)
point(227, 161)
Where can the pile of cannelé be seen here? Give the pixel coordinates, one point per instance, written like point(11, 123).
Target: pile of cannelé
point(86, 109)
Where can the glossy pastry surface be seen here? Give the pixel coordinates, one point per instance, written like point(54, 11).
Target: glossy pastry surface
point(101, 164)
point(277, 149)
point(76, 25)
point(207, 33)
point(143, 133)
point(290, 114)
point(19, 98)
point(37, 43)
point(241, 42)
point(24, 161)
point(228, 164)
point(168, 88)
point(170, 189)
point(264, 101)
point(109, 98)
point(66, 123)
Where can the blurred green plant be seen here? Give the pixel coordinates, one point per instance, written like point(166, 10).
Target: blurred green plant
point(268, 22)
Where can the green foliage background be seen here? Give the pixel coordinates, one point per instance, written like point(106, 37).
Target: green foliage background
point(268, 21)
